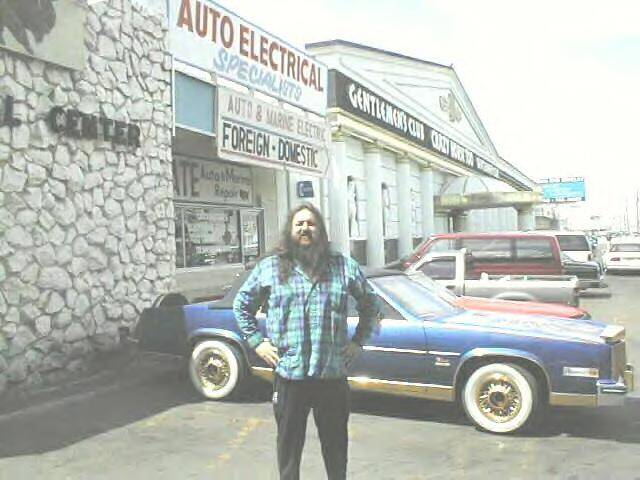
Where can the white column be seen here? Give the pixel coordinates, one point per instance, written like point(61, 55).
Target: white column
point(461, 222)
point(428, 211)
point(373, 186)
point(337, 189)
point(403, 176)
point(282, 197)
point(526, 218)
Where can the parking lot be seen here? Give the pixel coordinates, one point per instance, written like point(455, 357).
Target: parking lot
point(147, 423)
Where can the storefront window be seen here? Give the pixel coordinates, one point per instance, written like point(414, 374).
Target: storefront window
point(207, 236)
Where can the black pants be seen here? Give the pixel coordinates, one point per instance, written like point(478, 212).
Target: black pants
point(292, 401)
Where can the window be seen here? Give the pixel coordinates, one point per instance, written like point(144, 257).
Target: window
point(206, 236)
point(442, 245)
point(440, 268)
point(386, 310)
point(534, 249)
point(488, 248)
point(195, 102)
point(625, 247)
point(573, 243)
point(413, 297)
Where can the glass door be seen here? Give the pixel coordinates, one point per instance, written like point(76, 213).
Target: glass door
point(252, 235)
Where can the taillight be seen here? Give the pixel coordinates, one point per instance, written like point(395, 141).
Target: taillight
point(615, 259)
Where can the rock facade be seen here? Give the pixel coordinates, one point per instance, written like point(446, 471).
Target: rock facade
point(86, 225)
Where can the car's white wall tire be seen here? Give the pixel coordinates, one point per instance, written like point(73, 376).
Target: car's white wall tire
point(490, 387)
point(226, 363)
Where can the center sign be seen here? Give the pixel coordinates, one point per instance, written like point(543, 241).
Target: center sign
point(208, 36)
point(269, 135)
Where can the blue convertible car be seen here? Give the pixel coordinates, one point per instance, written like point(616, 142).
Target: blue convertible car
point(502, 368)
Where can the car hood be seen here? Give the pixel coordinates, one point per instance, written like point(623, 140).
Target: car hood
point(511, 306)
point(530, 326)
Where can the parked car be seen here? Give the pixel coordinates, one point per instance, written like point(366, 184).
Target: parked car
point(573, 243)
point(455, 271)
point(623, 254)
point(496, 305)
point(590, 274)
point(502, 368)
point(500, 253)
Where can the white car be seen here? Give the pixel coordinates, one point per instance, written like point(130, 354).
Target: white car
point(623, 254)
point(573, 243)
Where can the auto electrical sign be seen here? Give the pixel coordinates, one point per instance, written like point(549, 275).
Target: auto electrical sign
point(357, 99)
point(208, 36)
point(268, 135)
point(563, 189)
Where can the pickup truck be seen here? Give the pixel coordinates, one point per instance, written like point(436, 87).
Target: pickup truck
point(450, 268)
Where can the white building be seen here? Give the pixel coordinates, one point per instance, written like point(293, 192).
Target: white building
point(410, 156)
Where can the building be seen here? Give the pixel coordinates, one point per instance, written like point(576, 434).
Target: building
point(250, 141)
point(410, 156)
point(86, 210)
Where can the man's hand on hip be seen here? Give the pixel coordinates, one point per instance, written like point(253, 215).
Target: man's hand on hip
point(268, 353)
point(350, 352)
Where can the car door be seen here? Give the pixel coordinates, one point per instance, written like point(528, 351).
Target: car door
point(395, 351)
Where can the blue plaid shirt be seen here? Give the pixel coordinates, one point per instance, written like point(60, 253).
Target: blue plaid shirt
point(307, 319)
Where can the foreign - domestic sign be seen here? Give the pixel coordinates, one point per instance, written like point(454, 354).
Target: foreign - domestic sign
point(49, 30)
point(358, 100)
point(558, 190)
point(211, 37)
point(270, 135)
point(203, 180)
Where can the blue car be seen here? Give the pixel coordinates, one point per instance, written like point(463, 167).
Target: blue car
point(502, 368)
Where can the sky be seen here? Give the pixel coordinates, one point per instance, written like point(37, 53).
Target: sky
point(554, 82)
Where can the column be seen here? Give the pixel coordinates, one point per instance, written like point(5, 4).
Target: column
point(426, 192)
point(403, 182)
point(526, 218)
point(282, 197)
point(373, 186)
point(461, 222)
point(337, 189)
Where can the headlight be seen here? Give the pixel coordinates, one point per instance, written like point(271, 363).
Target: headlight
point(581, 372)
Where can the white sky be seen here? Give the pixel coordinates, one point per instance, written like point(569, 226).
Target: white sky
point(554, 82)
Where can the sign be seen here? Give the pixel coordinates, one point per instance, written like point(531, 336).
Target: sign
point(358, 100)
point(48, 30)
point(83, 125)
point(305, 189)
point(269, 135)
point(202, 180)
point(211, 37)
point(563, 189)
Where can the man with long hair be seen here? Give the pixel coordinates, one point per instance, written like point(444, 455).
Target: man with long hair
point(307, 286)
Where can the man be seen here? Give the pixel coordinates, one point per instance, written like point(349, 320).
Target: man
point(307, 287)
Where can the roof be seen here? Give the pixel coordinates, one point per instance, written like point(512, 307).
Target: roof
point(490, 235)
point(346, 43)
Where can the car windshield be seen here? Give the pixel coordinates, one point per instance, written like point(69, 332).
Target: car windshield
point(413, 297)
point(434, 287)
point(626, 247)
point(573, 243)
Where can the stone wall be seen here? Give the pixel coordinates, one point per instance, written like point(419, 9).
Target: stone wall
point(86, 229)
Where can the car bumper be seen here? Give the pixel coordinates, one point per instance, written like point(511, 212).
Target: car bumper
point(584, 283)
point(613, 393)
point(620, 268)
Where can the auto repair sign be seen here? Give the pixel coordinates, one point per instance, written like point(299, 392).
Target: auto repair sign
point(208, 36)
point(269, 135)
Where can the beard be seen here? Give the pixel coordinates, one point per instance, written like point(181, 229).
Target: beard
point(309, 256)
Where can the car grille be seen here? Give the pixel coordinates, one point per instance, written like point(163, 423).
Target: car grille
point(618, 360)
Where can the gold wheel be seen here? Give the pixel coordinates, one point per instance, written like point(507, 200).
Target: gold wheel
point(214, 369)
point(499, 398)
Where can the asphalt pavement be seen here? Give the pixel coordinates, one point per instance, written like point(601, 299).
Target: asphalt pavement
point(140, 419)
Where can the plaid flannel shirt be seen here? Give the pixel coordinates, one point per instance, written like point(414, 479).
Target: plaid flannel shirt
point(307, 319)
